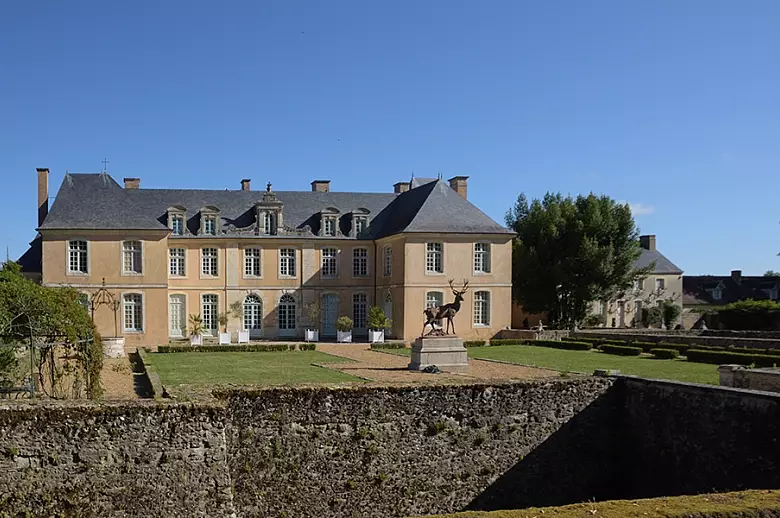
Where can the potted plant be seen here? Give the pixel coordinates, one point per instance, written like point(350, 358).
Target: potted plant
point(224, 336)
point(377, 323)
point(237, 311)
point(344, 327)
point(313, 310)
point(195, 330)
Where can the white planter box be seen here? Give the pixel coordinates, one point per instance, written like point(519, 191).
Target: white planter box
point(344, 336)
point(224, 338)
point(312, 335)
point(243, 337)
point(196, 339)
point(376, 337)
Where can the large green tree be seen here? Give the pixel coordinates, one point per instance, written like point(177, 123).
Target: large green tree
point(570, 252)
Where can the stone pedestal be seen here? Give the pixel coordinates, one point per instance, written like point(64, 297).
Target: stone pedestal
point(113, 346)
point(445, 352)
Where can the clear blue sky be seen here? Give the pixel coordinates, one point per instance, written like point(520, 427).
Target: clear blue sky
point(671, 105)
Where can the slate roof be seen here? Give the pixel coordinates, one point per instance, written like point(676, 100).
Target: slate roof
point(663, 266)
point(733, 288)
point(96, 201)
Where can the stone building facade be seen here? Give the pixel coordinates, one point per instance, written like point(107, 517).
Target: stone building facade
point(168, 253)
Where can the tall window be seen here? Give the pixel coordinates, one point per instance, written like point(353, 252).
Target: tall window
point(177, 224)
point(77, 256)
point(286, 312)
point(434, 299)
point(133, 312)
point(361, 222)
point(287, 262)
point(482, 258)
point(208, 311)
point(639, 285)
point(252, 263)
point(482, 308)
point(132, 259)
point(208, 261)
point(330, 227)
point(387, 260)
point(178, 315)
point(433, 258)
point(329, 262)
point(269, 223)
point(660, 284)
point(210, 225)
point(253, 313)
point(177, 262)
point(717, 294)
point(360, 262)
point(359, 310)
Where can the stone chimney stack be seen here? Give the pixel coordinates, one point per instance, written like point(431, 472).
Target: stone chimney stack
point(736, 275)
point(132, 183)
point(647, 242)
point(43, 193)
point(459, 184)
point(400, 187)
point(320, 186)
point(245, 184)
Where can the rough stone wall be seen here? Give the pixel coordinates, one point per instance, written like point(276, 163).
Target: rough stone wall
point(409, 451)
point(687, 439)
point(738, 376)
point(129, 460)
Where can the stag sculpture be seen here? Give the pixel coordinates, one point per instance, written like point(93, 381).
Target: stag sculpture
point(447, 311)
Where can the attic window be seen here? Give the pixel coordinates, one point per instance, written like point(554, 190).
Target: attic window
point(359, 221)
point(329, 221)
point(717, 294)
point(269, 223)
point(176, 217)
point(209, 221)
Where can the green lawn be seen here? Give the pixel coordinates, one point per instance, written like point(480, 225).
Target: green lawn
point(260, 368)
point(588, 361)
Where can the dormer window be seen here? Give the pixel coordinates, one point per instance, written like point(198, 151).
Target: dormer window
point(329, 221)
point(329, 226)
point(717, 292)
point(269, 224)
point(209, 221)
point(269, 213)
point(176, 218)
point(359, 221)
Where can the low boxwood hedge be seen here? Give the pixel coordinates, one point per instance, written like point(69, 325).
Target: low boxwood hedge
point(665, 354)
point(563, 344)
point(389, 345)
point(622, 350)
point(508, 341)
point(645, 346)
point(243, 348)
point(725, 357)
point(474, 343)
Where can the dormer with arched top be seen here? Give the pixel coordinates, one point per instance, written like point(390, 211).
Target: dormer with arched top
point(360, 218)
point(329, 222)
point(209, 220)
point(177, 219)
point(268, 213)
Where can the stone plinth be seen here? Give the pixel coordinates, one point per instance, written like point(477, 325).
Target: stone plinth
point(113, 346)
point(445, 352)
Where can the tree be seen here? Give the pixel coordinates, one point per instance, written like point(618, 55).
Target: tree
point(670, 312)
point(570, 252)
point(377, 319)
point(771, 273)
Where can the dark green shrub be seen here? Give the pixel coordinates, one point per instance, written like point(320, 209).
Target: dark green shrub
point(563, 344)
point(507, 341)
point(474, 343)
point(619, 343)
point(724, 357)
point(243, 348)
point(578, 338)
point(645, 346)
point(750, 314)
point(594, 320)
point(665, 354)
point(389, 345)
point(622, 350)
point(307, 347)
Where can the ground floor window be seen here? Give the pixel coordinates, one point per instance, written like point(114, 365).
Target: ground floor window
point(482, 308)
point(253, 313)
point(133, 312)
point(209, 314)
point(177, 314)
point(286, 312)
point(359, 310)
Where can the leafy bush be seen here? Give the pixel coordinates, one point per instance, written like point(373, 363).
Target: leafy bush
point(8, 360)
point(670, 312)
point(622, 350)
point(655, 316)
point(665, 354)
point(563, 344)
point(750, 314)
point(724, 357)
point(474, 343)
point(307, 347)
point(750, 350)
point(594, 321)
point(344, 324)
point(508, 341)
point(377, 319)
point(242, 348)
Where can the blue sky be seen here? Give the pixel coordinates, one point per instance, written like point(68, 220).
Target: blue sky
point(673, 106)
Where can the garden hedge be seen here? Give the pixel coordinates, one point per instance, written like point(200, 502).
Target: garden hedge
point(622, 350)
point(665, 354)
point(389, 345)
point(242, 348)
point(508, 341)
point(725, 357)
point(563, 344)
point(474, 343)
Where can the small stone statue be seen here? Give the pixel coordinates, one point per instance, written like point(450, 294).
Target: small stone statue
point(447, 311)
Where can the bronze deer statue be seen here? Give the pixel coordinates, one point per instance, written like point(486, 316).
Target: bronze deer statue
point(447, 311)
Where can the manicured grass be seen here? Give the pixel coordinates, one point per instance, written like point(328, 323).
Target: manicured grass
point(588, 361)
point(261, 368)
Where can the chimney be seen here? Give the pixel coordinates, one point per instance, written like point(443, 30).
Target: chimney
point(400, 187)
point(43, 193)
point(459, 184)
point(647, 242)
point(132, 183)
point(736, 275)
point(245, 184)
point(320, 186)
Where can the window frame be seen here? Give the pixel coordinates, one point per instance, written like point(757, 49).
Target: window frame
point(332, 221)
point(440, 253)
point(183, 263)
point(360, 261)
point(486, 258)
point(184, 314)
point(87, 252)
point(486, 311)
point(261, 304)
point(323, 272)
point(387, 261)
point(142, 305)
point(172, 217)
point(122, 256)
point(294, 303)
point(294, 258)
point(365, 305)
point(216, 329)
point(203, 274)
point(259, 258)
point(660, 284)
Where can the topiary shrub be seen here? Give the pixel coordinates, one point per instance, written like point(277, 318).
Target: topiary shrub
point(622, 350)
point(507, 341)
point(665, 354)
point(645, 346)
point(307, 347)
point(475, 343)
point(388, 345)
point(563, 344)
point(724, 357)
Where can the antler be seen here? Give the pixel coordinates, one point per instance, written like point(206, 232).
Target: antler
point(465, 286)
point(451, 286)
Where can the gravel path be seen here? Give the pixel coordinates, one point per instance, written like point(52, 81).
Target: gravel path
point(117, 379)
point(382, 366)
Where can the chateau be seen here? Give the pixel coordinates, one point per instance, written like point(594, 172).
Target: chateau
point(167, 253)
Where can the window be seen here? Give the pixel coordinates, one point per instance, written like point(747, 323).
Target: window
point(359, 262)
point(287, 262)
point(329, 228)
point(482, 308)
point(176, 260)
point(433, 258)
point(253, 313)
point(177, 224)
point(133, 312)
point(660, 285)
point(252, 262)
point(717, 294)
point(359, 310)
point(77, 257)
point(177, 313)
point(269, 223)
point(387, 271)
point(434, 299)
point(208, 311)
point(208, 261)
point(482, 258)
point(639, 284)
point(287, 312)
point(210, 225)
point(329, 262)
point(361, 222)
point(131, 257)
